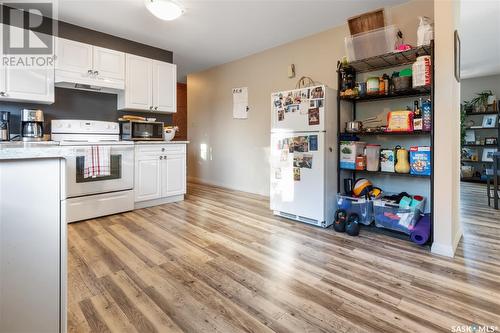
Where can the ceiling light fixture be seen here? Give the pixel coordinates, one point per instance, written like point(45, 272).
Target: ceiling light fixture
point(167, 10)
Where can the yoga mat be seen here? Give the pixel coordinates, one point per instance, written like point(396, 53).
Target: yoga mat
point(420, 234)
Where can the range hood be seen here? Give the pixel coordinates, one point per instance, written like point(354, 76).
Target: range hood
point(73, 80)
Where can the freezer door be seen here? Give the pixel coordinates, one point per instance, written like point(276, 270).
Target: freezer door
point(297, 176)
point(299, 110)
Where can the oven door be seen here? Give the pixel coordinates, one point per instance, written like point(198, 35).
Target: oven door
point(121, 177)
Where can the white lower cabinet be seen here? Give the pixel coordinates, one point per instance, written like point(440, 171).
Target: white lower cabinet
point(174, 175)
point(32, 246)
point(147, 178)
point(160, 173)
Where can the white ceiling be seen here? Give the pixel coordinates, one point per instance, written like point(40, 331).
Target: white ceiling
point(215, 32)
point(480, 38)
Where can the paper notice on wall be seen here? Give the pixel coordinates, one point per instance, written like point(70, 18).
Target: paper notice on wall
point(240, 103)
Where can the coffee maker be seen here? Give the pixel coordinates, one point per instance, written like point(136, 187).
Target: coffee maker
point(32, 125)
point(4, 126)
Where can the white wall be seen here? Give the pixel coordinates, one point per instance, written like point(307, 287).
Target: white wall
point(239, 148)
point(447, 230)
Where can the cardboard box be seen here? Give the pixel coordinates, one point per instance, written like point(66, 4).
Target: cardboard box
point(349, 150)
point(420, 161)
point(387, 160)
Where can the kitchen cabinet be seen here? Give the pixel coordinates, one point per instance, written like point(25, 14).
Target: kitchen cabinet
point(138, 84)
point(32, 246)
point(164, 87)
point(160, 173)
point(150, 85)
point(27, 85)
point(174, 175)
point(88, 66)
point(148, 170)
point(74, 57)
point(22, 83)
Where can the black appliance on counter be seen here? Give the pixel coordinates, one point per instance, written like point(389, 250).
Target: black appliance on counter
point(140, 130)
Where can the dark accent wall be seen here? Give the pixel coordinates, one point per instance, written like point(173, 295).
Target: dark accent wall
point(79, 104)
point(75, 104)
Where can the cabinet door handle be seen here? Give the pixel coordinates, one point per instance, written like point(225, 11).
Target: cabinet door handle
point(156, 108)
point(163, 149)
point(161, 157)
point(151, 107)
point(90, 72)
point(2, 93)
point(164, 157)
point(96, 72)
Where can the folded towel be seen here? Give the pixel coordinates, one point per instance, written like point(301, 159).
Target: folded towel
point(97, 162)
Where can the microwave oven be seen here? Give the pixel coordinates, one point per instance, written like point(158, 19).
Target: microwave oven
point(141, 130)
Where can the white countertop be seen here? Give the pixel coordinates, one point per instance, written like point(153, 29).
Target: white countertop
point(13, 150)
point(159, 142)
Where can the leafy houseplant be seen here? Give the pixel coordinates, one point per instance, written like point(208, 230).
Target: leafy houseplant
point(481, 101)
point(463, 117)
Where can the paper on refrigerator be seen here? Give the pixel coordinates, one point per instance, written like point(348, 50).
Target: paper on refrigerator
point(240, 103)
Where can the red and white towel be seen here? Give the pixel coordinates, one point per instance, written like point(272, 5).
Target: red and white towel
point(97, 162)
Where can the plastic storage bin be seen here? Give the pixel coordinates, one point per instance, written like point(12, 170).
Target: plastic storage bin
point(391, 216)
point(371, 43)
point(360, 206)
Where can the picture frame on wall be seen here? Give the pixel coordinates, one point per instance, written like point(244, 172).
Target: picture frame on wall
point(490, 121)
point(488, 154)
point(457, 56)
point(470, 136)
point(490, 141)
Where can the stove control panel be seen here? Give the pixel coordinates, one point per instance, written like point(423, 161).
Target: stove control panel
point(71, 126)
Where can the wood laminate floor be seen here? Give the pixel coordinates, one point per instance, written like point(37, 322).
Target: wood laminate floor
point(221, 262)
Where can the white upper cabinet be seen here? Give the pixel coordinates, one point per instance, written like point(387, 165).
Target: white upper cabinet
point(150, 85)
point(164, 86)
point(138, 84)
point(74, 57)
point(80, 63)
point(34, 85)
point(26, 83)
point(109, 63)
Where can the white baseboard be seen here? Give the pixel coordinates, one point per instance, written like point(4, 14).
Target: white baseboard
point(457, 238)
point(442, 249)
point(220, 184)
point(156, 202)
point(447, 250)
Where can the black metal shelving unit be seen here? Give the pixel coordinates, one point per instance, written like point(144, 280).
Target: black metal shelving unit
point(476, 179)
point(377, 63)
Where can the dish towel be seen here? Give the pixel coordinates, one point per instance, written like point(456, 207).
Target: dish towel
point(97, 162)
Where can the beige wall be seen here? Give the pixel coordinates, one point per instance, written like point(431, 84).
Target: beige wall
point(237, 150)
point(447, 230)
point(470, 87)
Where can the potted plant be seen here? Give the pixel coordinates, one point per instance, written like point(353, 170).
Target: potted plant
point(463, 126)
point(481, 101)
point(468, 106)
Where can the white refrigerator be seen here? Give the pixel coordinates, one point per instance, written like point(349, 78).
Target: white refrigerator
point(303, 159)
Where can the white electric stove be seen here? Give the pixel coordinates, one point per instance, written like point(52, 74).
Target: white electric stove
point(93, 197)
